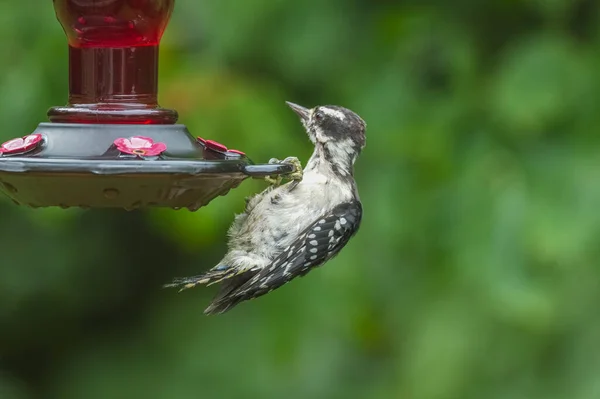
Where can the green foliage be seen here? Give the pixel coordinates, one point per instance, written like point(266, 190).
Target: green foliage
point(475, 273)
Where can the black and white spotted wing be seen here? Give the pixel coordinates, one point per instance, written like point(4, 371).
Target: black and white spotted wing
point(317, 244)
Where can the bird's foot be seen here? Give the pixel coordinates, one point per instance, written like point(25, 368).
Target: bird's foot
point(274, 180)
point(296, 175)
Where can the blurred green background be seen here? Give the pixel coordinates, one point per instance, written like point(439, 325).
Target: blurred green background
point(475, 273)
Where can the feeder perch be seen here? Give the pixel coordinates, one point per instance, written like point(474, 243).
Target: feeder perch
point(112, 145)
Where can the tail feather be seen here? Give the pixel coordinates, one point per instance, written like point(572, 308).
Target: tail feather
point(231, 280)
point(223, 301)
point(212, 276)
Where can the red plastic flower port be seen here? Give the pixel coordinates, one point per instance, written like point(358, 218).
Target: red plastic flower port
point(140, 146)
point(21, 145)
point(213, 145)
point(218, 147)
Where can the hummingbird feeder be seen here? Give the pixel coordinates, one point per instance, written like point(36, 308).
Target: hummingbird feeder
point(112, 145)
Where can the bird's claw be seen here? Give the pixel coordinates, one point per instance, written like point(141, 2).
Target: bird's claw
point(296, 175)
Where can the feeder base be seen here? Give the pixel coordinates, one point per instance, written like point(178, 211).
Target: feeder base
point(77, 165)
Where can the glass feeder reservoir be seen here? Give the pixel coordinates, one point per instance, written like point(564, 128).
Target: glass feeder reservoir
point(112, 145)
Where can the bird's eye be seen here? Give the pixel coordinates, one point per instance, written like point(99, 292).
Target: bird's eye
point(318, 115)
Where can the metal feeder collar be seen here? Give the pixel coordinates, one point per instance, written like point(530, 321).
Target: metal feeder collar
point(112, 145)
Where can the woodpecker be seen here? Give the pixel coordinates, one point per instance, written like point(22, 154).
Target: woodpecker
point(290, 229)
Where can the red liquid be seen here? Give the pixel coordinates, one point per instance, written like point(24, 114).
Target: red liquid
point(113, 60)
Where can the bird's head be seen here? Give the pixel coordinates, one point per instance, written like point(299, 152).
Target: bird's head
point(339, 130)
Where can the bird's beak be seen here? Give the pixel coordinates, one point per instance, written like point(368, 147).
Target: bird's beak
point(303, 113)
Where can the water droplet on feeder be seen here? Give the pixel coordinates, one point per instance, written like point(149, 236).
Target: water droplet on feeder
point(111, 193)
